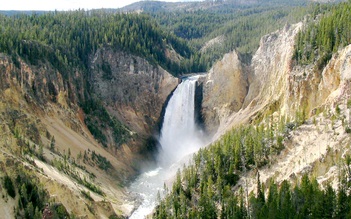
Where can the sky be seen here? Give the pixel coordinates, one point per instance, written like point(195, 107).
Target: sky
point(64, 4)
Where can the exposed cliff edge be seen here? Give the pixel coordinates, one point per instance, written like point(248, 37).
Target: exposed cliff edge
point(251, 87)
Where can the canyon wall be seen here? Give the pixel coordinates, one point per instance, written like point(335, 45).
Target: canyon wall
point(271, 83)
point(42, 113)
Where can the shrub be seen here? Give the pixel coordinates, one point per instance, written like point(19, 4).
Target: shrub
point(8, 184)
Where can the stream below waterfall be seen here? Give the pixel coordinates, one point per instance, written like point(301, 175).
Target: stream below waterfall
point(180, 137)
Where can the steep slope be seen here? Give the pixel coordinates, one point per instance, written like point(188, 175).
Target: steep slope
point(275, 84)
point(79, 108)
point(41, 118)
point(320, 146)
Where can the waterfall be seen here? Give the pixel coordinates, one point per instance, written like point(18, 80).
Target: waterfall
point(179, 138)
point(179, 134)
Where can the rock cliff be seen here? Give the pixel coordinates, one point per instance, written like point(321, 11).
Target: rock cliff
point(271, 83)
point(131, 88)
point(225, 89)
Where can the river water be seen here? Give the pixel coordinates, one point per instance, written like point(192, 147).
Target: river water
point(180, 137)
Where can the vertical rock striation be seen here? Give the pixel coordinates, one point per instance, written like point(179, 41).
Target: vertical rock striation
point(234, 94)
point(225, 89)
point(131, 88)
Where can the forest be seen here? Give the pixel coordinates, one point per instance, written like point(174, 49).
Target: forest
point(319, 40)
point(241, 27)
point(67, 39)
point(303, 200)
point(209, 188)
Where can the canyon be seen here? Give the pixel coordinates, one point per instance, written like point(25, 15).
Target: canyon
point(41, 111)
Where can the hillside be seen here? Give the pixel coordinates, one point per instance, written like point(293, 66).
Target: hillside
point(238, 24)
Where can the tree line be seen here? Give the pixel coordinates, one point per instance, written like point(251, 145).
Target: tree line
point(68, 39)
point(329, 30)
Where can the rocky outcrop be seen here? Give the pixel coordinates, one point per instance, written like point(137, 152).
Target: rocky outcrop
point(225, 88)
point(336, 76)
point(308, 88)
point(270, 66)
point(232, 87)
point(41, 83)
point(131, 88)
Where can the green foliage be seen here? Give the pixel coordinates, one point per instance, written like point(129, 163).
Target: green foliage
point(115, 217)
point(207, 183)
point(71, 170)
point(52, 143)
point(318, 41)
point(8, 185)
point(107, 72)
point(68, 39)
point(98, 119)
point(60, 211)
point(87, 195)
point(241, 27)
point(305, 200)
point(101, 161)
point(32, 195)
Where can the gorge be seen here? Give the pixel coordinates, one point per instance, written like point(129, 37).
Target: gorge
point(98, 110)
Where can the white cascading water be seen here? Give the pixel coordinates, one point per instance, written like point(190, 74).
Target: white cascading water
point(179, 134)
point(179, 138)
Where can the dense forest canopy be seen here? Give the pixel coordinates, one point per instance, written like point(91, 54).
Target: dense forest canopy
point(69, 38)
point(328, 30)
